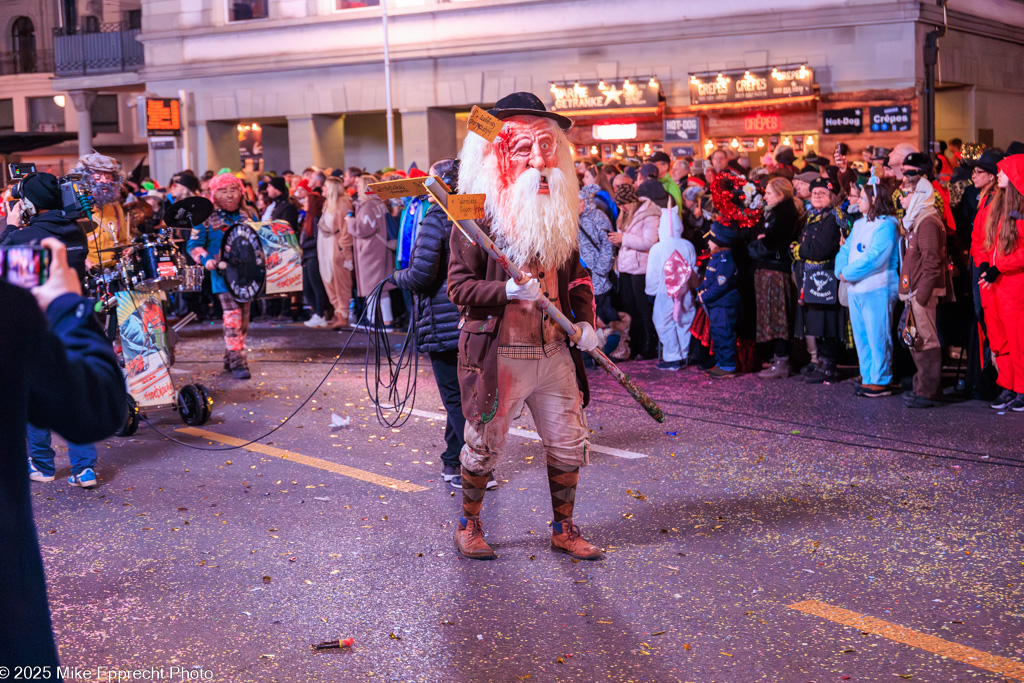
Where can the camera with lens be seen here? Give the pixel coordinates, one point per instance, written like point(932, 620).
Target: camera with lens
point(76, 202)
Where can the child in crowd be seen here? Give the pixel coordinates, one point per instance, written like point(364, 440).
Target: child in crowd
point(671, 276)
point(720, 296)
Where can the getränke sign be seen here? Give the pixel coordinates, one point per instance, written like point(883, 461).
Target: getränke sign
point(624, 94)
point(752, 85)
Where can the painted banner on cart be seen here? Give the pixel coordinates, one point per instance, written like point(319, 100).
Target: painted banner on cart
point(284, 257)
point(143, 339)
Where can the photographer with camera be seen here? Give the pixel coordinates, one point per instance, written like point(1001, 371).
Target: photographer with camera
point(61, 375)
point(40, 214)
point(42, 217)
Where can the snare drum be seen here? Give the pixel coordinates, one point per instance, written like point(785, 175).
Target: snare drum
point(191, 278)
point(152, 266)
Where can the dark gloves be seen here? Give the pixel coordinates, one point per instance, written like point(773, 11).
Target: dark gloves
point(990, 274)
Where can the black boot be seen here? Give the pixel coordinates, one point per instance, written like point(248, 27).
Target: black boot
point(824, 372)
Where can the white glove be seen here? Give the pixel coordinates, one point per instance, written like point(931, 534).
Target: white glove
point(525, 292)
point(588, 338)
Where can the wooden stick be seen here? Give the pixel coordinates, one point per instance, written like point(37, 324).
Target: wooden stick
point(473, 231)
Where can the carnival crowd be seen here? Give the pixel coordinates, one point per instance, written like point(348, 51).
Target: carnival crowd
point(884, 268)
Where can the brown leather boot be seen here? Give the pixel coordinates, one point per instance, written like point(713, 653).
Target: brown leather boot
point(469, 539)
point(571, 543)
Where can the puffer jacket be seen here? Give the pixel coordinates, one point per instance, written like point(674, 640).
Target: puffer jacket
point(437, 318)
point(639, 236)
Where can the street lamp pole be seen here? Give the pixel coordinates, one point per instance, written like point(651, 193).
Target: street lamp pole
point(387, 86)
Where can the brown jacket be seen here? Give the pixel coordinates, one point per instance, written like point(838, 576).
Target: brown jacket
point(476, 284)
point(924, 269)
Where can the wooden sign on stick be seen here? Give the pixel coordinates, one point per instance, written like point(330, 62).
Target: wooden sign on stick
point(466, 207)
point(403, 187)
point(484, 124)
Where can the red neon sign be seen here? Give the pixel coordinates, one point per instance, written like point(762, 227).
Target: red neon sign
point(761, 122)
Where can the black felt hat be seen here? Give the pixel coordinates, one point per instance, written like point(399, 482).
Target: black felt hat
point(526, 104)
point(1015, 147)
point(987, 161)
point(279, 184)
point(823, 183)
point(920, 161)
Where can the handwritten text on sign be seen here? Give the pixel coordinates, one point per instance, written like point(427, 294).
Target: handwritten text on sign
point(464, 207)
point(484, 124)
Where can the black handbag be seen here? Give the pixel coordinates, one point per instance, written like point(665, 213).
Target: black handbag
point(821, 286)
point(907, 328)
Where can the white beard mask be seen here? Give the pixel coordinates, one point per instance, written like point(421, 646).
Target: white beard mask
point(523, 223)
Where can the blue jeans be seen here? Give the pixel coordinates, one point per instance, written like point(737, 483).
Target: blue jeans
point(871, 320)
point(39, 449)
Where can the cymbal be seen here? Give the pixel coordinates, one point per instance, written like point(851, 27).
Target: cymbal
point(116, 249)
point(187, 213)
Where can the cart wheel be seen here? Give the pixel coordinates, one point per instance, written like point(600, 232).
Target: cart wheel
point(204, 394)
point(131, 423)
point(192, 406)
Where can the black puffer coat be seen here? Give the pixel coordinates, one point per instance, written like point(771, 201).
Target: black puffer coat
point(437, 319)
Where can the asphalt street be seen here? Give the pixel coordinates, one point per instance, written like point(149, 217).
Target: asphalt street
point(768, 531)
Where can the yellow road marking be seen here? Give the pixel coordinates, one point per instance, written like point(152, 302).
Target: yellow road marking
point(343, 470)
point(945, 648)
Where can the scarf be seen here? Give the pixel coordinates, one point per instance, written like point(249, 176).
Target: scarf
point(922, 204)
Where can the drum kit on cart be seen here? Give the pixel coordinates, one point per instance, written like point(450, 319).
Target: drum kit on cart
point(132, 286)
point(256, 258)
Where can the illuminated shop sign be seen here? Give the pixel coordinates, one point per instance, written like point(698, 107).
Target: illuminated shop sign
point(751, 85)
point(615, 131)
point(761, 122)
point(842, 121)
point(624, 94)
point(889, 119)
point(682, 129)
point(163, 116)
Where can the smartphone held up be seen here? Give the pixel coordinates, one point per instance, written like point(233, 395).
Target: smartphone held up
point(25, 265)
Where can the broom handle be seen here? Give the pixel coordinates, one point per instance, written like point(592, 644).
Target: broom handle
point(473, 231)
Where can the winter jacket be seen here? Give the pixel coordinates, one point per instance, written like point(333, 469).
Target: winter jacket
point(437, 318)
point(820, 239)
point(374, 259)
point(284, 210)
point(56, 224)
point(869, 259)
point(721, 281)
point(781, 228)
point(978, 253)
point(64, 378)
point(209, 236)
point(639, 236)
point(595, 249)
point(924, 263)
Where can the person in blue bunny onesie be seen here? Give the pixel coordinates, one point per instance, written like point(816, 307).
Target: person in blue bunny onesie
point(869, 261)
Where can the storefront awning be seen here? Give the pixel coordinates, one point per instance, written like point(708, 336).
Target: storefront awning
point(25, 142)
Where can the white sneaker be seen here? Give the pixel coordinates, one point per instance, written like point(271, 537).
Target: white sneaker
point(315, 321)
point(35, 475)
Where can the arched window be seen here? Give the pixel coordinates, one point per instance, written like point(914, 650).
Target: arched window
point(23, 40)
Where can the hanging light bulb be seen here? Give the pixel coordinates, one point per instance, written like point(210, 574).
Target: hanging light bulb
point(735, 143)
point(785, 140)
point(601, 85)
point(810, 140)
point(625, 83)
point(593, 149)
point(708, 144)
point(760, 142)
point(554, 87)
point(653, 82)
point(694, 79)
point(618, 150)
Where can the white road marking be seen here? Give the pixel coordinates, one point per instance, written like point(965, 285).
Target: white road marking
point(527, 434)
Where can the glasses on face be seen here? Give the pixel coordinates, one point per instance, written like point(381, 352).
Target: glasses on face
point(821, 194)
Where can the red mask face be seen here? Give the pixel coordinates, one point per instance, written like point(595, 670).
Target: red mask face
point(526, 142)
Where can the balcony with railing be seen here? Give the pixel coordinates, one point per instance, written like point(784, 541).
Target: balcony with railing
point(112, 49)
